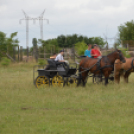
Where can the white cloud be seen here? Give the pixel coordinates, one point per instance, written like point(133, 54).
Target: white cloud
point(86, 17)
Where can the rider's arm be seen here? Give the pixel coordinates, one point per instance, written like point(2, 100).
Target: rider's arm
point(85, 53)
point(92, 53)
point(100, 52)
point(61, 60)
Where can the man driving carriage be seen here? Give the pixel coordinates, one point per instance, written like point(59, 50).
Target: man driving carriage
point(59, 57)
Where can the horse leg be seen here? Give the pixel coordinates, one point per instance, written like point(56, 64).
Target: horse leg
point(117, 77)
point(126, 76)
point(80, 77)
point(84, 78)
point(106, 81)
point(106, 74)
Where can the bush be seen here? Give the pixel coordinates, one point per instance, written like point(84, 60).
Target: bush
point(80, 47)
point(41, 62)
point(125, 52)
point(5, 61)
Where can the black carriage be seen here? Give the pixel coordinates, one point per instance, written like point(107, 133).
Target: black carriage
point(56, 74)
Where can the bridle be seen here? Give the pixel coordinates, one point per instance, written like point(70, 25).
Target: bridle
point(120, 56)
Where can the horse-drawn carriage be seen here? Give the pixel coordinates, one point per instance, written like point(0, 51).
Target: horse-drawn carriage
point(59, 73)
point(56, 74)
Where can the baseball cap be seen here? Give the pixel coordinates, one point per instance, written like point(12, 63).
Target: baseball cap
point(61, 50)
point(95, 45)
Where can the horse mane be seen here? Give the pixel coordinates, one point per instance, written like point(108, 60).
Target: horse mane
point(111, 53)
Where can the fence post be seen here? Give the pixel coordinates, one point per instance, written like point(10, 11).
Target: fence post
point(21, 53)
point(18, 54)
point(27, 54)
point(44, 53)
point(73, 53)
point(51, 50)
point(36, 54)
point(14, 53)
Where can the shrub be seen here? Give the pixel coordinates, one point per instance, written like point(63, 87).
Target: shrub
point(125, 52)
point(5, 61)
point(41, 62)
point(80, 47)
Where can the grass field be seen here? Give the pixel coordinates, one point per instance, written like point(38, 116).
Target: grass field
point(95, 109)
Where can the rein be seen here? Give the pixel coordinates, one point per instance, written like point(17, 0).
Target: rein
point(100, 68)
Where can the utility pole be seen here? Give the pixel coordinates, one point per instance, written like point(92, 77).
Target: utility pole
point(27, 18)
point(40, 18)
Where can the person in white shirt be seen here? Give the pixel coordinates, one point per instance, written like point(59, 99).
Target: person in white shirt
point(59, 57)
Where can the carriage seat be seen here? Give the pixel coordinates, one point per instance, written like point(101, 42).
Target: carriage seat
point(52, 64)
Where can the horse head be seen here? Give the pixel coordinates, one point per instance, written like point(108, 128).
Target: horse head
point(120, 55)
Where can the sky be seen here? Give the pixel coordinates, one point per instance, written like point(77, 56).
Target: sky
point(89, 18)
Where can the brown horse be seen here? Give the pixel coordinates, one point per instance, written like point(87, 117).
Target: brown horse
point(98, 66)
point(123, 69)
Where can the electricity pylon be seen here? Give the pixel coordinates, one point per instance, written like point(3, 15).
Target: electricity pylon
point(27, 18)
point(40, 18)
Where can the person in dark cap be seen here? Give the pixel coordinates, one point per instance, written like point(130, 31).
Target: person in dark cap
point(59, 57)
point(88, 51)
point(95, 51)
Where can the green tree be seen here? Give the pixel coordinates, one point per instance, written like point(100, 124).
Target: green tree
point(7, 43)
point(34, 41)
point(126, 33)
point(80, 47)
point(12, 41)
point(61, 40)
point(98, 40)
point(3, 42)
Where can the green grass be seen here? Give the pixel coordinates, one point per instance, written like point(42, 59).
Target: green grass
point(95, 109)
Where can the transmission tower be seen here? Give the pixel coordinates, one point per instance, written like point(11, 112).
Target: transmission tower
point(27, 18)
point(40, 18)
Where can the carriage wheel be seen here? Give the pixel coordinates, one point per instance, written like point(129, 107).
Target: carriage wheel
point(58, 81)
point(111, 78)
point(98, 79)
point(72, 82)
point(42, 82)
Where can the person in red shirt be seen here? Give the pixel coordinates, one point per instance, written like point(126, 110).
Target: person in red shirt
point(95, 52)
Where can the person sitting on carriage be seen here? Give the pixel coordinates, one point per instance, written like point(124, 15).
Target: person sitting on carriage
point(88, 51)
point(54, 56)
point(59, 57)
point(95, 52)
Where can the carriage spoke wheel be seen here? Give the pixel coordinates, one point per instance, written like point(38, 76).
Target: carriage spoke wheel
point(111, 78)
point(72, 82)
point(42, 82)
point(98, 79)
point(58, 81)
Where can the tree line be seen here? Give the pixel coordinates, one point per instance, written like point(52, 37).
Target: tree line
point(65, 41)
point(125, 36)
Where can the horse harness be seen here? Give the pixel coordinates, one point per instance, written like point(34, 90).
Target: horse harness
point(98, 64)
point(132, 66)
point(106, 61)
